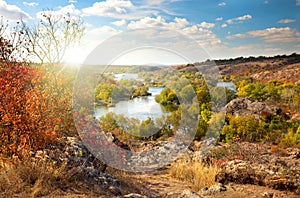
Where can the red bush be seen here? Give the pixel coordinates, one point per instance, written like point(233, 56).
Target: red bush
point(25, 123)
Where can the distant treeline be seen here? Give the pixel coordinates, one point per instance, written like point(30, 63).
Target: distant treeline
point(290, 59)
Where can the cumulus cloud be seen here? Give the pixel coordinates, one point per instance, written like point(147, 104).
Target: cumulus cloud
point(207, 25)
point(219, 19)
point(103, 29)
point(112, 8)
point(69, 9)
point(181, 22)
point(239, 19)
point(159, 2)
point(198, 32)
point(147, 22)
point(62, 11)
point(203, 36)
point(154, 2)
point(272, 35)
point(72, 1)
point(224, 25)
point(222, 4)
point(285, 34)
point(236, 36)
point(30, 4)
point(159, 21)
point(284, 21)
point(12, 12)
point(122, 22)
point(298, 2)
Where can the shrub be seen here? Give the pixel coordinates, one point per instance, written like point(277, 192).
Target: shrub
point(24, 120)
point(197, 173)
point(291, 138)
point(39, 178)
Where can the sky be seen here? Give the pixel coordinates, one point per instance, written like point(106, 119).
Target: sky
point(223, 29)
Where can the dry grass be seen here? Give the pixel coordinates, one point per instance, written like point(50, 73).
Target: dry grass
point(40, 178)
point(196, 173)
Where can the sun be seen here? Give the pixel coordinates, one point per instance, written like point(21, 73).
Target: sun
point(75, 55)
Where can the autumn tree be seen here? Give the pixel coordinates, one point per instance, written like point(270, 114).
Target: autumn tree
point(12, 41)
point(25, 121)
point(53, 35)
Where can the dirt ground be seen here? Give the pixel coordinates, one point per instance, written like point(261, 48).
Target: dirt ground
point(159, 184)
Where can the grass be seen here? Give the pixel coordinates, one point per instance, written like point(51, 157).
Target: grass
point(40, 178)
point(196, 173)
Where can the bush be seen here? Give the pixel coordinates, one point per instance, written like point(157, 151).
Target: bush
point(196, 173)
point(291, 138)
point(24, 120)
point(39, 178)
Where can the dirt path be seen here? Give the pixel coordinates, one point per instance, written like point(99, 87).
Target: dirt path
point(159, 183)
point(152, 184)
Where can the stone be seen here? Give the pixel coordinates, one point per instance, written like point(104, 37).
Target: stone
point(189, 194)
point(248, 106)
point(213, 190)
point(134, 195)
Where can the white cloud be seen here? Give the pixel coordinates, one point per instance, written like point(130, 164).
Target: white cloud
point(30, 4)
point(284, 35)
point(12, 12)
point(236, 36)
point(69, 9)
point(104, 29)
point(219, 19)
point(122, 22)
point(62, 11)
point(241, 18)
point(154, 2)
point(298, 2)
point(72, 1)
point(266, 2)
point(182, 22)
point(207, 25)
point(203, 36)
point(111, 8)
point(286, 21)
point(159, 2)
point(147, 22)
point(272, 35)
point(224, 25)
point(222, 4)
point(197, 32)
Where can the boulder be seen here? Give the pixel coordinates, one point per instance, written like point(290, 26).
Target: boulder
point(187, 193)
point(134, 195)
point(213, 190)
point(248, 106)
point(71, 153)
point(278, 173)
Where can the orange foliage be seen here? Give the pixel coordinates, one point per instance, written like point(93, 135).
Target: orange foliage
point(26, 121)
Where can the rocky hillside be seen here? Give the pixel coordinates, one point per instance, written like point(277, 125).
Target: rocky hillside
point(285, 68)
point(249, 106)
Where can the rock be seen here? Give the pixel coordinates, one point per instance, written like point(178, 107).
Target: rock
point(248, 106)
point(189, 194)
point(72, 153)
point(270, 195)
point(134, 195)
point(281, 173)
point(213, 190)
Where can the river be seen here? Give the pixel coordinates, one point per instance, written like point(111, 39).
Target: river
point(141, 107)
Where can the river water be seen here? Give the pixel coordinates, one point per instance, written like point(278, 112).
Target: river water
point(141, 107)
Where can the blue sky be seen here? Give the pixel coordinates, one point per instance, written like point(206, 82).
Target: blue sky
point(225, 29)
